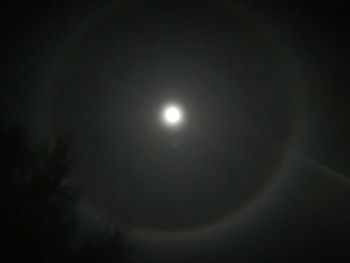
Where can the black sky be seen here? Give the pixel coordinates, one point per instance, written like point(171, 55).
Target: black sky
point(260, 171)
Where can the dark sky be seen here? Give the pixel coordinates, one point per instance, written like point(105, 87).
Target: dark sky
point(260, 170)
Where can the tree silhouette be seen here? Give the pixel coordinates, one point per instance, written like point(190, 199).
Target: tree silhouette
point(39, 205)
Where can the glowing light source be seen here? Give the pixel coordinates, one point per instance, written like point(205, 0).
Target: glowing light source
point(172, 115)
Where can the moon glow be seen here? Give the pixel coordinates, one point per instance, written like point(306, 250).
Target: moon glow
point(172, 115)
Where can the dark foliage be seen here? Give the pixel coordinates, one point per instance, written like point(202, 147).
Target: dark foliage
point(39, 205)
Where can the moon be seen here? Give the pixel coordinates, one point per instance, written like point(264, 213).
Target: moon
point(172, 115)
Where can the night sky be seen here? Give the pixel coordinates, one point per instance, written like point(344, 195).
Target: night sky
point(259, 168)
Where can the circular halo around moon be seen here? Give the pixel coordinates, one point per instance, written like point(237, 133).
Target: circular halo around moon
point(172, 115)
point(79, 126)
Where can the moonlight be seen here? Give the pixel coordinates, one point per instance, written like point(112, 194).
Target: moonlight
point(172, 115)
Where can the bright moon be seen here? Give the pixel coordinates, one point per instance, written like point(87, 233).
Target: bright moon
point(172, 115)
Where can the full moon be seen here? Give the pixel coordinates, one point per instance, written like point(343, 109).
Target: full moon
point(172, 115)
